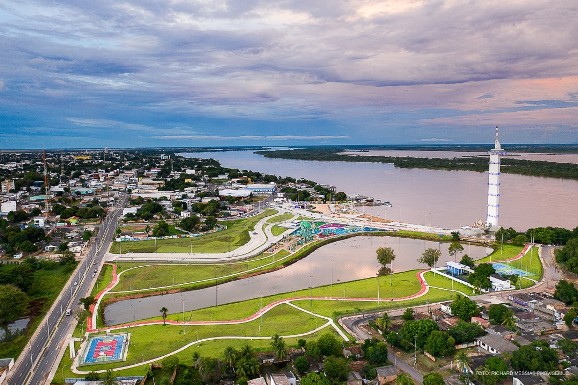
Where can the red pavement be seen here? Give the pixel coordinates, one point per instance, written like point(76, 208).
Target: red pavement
point(102, 292)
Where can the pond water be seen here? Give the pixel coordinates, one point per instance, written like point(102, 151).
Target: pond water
point(341, 261)
point(448, 199)
point(15, 328)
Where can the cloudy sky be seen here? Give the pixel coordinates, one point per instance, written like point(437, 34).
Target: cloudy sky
point(133, 73)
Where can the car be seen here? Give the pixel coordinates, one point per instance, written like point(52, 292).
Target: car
point(68, 312)
point(75, 283)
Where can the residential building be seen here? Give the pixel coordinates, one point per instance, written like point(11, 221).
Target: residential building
point(495, 344)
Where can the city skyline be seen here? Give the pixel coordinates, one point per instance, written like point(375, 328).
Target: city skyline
point(256, 73)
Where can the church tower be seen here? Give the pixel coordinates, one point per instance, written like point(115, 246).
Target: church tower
point(494, 183)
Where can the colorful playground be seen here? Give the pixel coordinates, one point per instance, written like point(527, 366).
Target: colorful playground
point(105, 349)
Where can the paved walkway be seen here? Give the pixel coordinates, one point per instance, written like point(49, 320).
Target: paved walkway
point(261, 239)
point(424, 288)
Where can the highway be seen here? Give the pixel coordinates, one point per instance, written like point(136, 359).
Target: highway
point(41, 354)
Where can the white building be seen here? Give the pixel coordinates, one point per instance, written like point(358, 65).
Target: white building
point(8, 206)
point(494, 184)
point(500, 283)
point(257, 188)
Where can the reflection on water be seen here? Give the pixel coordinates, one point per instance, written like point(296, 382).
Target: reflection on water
point(14, 328)
point(447, 199)
point(346, 260)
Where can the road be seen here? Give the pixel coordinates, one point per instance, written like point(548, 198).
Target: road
point(39, 357)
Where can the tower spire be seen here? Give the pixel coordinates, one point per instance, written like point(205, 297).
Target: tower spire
point(497, 145)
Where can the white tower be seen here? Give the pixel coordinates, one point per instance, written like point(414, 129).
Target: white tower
point(494, 184)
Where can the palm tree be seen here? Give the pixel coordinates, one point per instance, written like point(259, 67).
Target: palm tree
point(164, 311)
point(509, 322)
point(461, 360)
point(404, 379)
point(230, 357)
point(108, 378)
point(279, 346)
point(148, 229)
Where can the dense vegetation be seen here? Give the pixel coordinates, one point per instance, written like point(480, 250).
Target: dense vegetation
point(478, 164)
point(37, 283)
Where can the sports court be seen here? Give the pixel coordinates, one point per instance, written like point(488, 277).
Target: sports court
point(105, 349)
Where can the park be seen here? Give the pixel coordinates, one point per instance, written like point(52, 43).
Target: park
point(305, 313)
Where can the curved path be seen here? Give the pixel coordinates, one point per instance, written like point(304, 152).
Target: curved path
point(424, 288)
point(260, 239)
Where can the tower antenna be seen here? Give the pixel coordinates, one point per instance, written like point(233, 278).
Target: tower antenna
point(46, 186)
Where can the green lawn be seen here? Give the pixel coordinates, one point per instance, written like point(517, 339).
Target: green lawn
point(443, 282)
point(280, 218)
point(46, 286)
point(148, 342)
point(500, 254)
point(278, 230)
point(236, 234)
point(163, 275)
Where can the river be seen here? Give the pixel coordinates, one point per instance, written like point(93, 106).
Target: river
point(341, 261)
point(448, 199)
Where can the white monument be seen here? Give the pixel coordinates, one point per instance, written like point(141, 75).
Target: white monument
point(494, 184)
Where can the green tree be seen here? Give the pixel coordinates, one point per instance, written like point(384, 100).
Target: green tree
point(336, 369)
point(377, 354)
point(464, 332)
point(567, 346)
point(418, 331)
point(329, 345)
point(385, 256)
point(464, 308)
point(433, 379)
point(570, 316)
point(230, 357)
point(440, 344)
point(109, 378)
point(462, 360)
point(279, 346)
point(164, 311)
point(430, 257)
point(13, 304)
point(468, 261)
point(404, 379)
point(314, 379)
point(535, 357)
point(87, 301)
point(161, 229)
point(495, 370)
point(190, 224)
point(499, 312)
point(566, 292)
point(408, 314)
point(170, 363)
point(384, 322)
point(312, 350)
point(568, 255)
point(480, 278)
point(301, 364)
point(454, 249)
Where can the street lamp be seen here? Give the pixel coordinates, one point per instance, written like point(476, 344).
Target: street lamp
point(310, 298)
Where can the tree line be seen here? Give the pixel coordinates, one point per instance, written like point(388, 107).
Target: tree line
point(469, 163)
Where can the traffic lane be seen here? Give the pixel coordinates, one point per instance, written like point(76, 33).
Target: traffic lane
point(46, 362)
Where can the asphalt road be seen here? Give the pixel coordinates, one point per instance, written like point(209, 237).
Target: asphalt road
point(40, 355)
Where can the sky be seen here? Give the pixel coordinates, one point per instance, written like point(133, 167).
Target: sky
point(156, 73)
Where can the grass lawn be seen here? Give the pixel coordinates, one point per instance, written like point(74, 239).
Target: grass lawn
point(163, 275)
point(444, 282)
point(530, 263)
point(280, 218)
point(278, 230)
point(500, 254)
point(421, 235)
point(148, 342)
point(236, 234)
point(46, 286)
